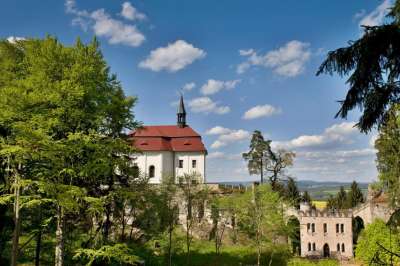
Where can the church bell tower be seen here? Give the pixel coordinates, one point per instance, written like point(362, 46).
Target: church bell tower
point(181, 114)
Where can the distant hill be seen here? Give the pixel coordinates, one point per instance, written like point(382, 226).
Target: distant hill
point(319, 190)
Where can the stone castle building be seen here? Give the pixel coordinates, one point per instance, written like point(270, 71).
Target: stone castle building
point(170, 150)
point(331, 233)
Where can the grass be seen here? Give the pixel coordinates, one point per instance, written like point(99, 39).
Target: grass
point(305, 262)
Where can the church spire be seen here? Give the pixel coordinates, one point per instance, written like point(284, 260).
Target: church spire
point(181, 114)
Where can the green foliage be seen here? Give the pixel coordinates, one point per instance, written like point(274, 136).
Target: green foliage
point(375, 236)
point(346, 200)
point(117, 254)
point(374, 67)
point(305, 262)
point(261, 158)
point(292, 193)
point(388, 156)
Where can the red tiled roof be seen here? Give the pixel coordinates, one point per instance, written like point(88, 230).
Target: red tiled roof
point(167, 138)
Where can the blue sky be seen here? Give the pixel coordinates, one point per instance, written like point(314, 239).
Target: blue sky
point(242, 65)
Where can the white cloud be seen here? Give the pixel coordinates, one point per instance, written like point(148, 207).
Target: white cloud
point(377, 16)
point(131, 13)
point(189, 86)
point(230, 136)
point(288, 60)
point(216, 155)
point(218, 130)
point(206, 105)
point(14, 39)
point(261, 111)
point(213, 86)
point(172, 58)
point(337, 133)
point(103, 25)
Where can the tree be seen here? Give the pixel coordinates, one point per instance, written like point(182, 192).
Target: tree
point(262, 158)
point(194, 197)
point(306, 197)
point(388, 156)
point(292, 193)
point(258, 156)
point(66, 114)
point(341, 199)
point(169, 211)
point(377, 244)
point(354, 196)
point(260, 216)
point(374, 68)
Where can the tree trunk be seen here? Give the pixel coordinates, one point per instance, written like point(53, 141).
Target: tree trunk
point(170, 246)
point(17, 224)
point(38, 239)
point(59, 255)
point(38, 247)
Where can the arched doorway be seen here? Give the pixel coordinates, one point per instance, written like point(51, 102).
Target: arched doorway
point(294, 234)
point(327, 252)
point(358, 226)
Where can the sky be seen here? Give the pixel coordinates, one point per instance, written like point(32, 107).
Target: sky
point(241, 66)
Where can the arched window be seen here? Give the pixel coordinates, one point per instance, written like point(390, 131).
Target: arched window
point(342, 247)
point(313, 247)
point(313, 227)
point(338, 247)
point(152, 171)
point(342, 228)
point(309, 246)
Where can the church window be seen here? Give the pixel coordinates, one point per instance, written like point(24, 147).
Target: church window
point(309, 246)
point(325, 228)
point(337, 228)
point(342, 228)
point(338, 247)
point(180, 164)
point(194, 163)
point(313, 227)
point(342, 247)
point(152, 170)
point(313, 247)
point(308, 227)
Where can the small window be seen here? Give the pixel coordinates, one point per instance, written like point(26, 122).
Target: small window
point(194, 163)
point(313, 227)
point(342, 228)
point(308, 227)
point(180, 164)
point(342, 247)
point(313, 247)
point(325, 228)
point(338, 247)
point(152, 170)
point(337, 228)
point(309, 246)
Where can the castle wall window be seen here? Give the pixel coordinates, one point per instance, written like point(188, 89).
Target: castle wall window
point(313, 247)
point(180, 164)
point(325, 228)
point(309, 246)
point(152, 171)
point(338, 247)
point(194, 163)
point(337, 228)
point(312, 227)
point(308, 227)
point(342, 247)
point(342, 228)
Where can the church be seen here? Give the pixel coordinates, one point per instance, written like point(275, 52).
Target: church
point(170, 151)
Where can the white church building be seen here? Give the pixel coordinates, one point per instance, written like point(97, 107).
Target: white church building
point(170, 150)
